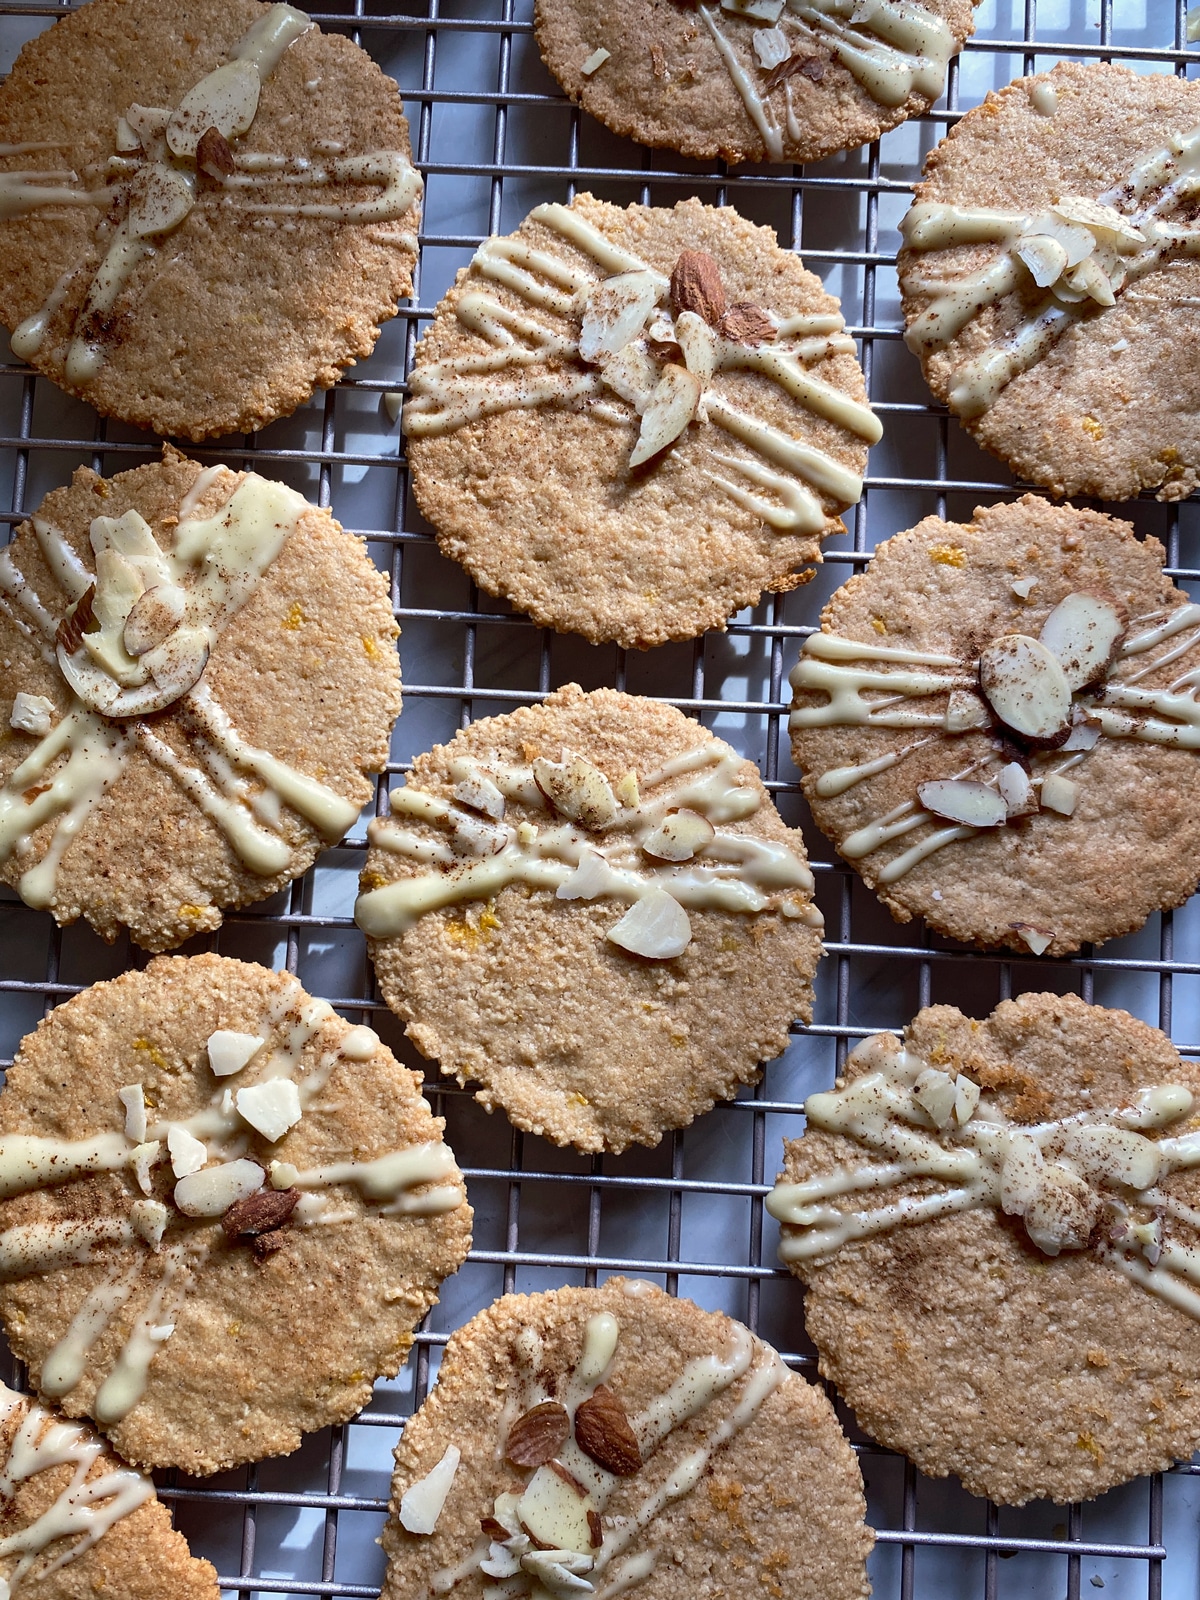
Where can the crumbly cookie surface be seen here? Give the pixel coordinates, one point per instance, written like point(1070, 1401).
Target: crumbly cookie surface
point(522, 990)
point(231, 299)
point(1028, 1370)
point(1047, 273)
point(115, 1538)
point(1108, 834)
point(230, 789)
point(172, 1291)
point(527, 458)
point(777, 1503)
point(693, 78)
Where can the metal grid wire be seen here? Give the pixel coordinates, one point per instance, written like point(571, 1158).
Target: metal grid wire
point(494, 136)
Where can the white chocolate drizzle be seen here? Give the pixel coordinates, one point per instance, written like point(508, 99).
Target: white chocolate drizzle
point(482, 855)
point(892, 48)
point(534, 363)
point(873, 686)
point(171, 1246)
point(1086, 252)
point(86, 1507)
point(190, 592)
point(1089, 1181)
point(152, 179)
point(606, 1570)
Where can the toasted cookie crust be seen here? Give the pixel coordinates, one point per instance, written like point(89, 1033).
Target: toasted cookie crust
point(244, 1367)
point(1044, 880)
point(778, 1500)
point(522, 991)
point(305, 671)
point(1104, 403)
point(232, 317)
point(522, 455)
point(667, 82)
point(960, 1342)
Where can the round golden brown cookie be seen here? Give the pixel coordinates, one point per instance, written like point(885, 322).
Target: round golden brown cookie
point(629, 1440)
point(1047, 279)
point(227, 1210)
point(591, 909)
point(632, 421)
point(114, 1538)
point(997, 728)
point(210, 766)
point(1023, 1314)
point(208, 210)
point(761, 81)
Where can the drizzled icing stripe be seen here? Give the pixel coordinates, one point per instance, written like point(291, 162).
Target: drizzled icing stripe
point(608, 1570)
point(157, 188)
point(534, 365)
point(892, 48)
point(1088, 1181)
point(171, 1246)
point(483, 855)
point(85, 1508)
point(1097, 249)
point(211, 571)
point(870, 686)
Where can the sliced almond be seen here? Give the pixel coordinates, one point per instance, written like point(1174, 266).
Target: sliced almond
point(1045, 258)
point(225, 99)
point(1016, 790)
point(147, 122)
point(152, 617)
point(1059, 794)
point(679, 836)
point(554, 1510)
point(1023, 587)
point(744, 323)
point(1115, 1155)
point(1039, 940)
point(229, 1051)
point(603, 1432)
point(576, 789)
point(31, 713)
point(1025, 686)
point(560, 1572)
point(696, 286)
point(1084, 632)
point(966, 711)
point(538, 1435)
point(963, 800)
point(592, 876)
point(631, 373)
point(1063, 1213)
point(421, 1503)
point(476, 790)
point(771, 47)
point(1076, 241)
point(176, 665)
point(656, 926)
point(1084, 734)
point(188, 1154)
point(673, 404)
point(966, 1099)
point(160, 198)
point(697, 344)
point(475, 836)
point(1105, 221)
point(934, 1093)
point(210, 1193)
point(616, 312)
point(271, 1107)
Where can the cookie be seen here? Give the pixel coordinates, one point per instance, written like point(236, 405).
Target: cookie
point(1049, 280)
point(225, 1211)
point(208, 208)
point(752, 80)
point(591, 909)
point(113, 1538)
point(199, 672)
point(995, 1223)
point(997, 727)
point(632, 421)
point(629, 1442)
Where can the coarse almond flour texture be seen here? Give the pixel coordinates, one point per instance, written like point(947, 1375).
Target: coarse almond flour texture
point(768, 83)
point(996, 727)
point(197, 675)
point(591, 909)
point(995, 1226)
point(194, 1158)
point(631, 421)
point(1049, 281)
point(626, 1440)
point(77, 1521)
point(209, 208)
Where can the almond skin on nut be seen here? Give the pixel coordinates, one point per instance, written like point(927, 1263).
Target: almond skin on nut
point(259, 1213)
point(746, 324)
point(538, 1435)
point(696, 286)
point(602, 1432)
point(213, 154)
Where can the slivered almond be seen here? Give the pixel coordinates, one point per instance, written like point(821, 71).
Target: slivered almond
point(696, 286)
point(745, 323)
point(673, 404)
point(602, 1431)
point(538, 1435)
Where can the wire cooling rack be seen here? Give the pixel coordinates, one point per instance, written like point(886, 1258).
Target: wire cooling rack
point(494, 137)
